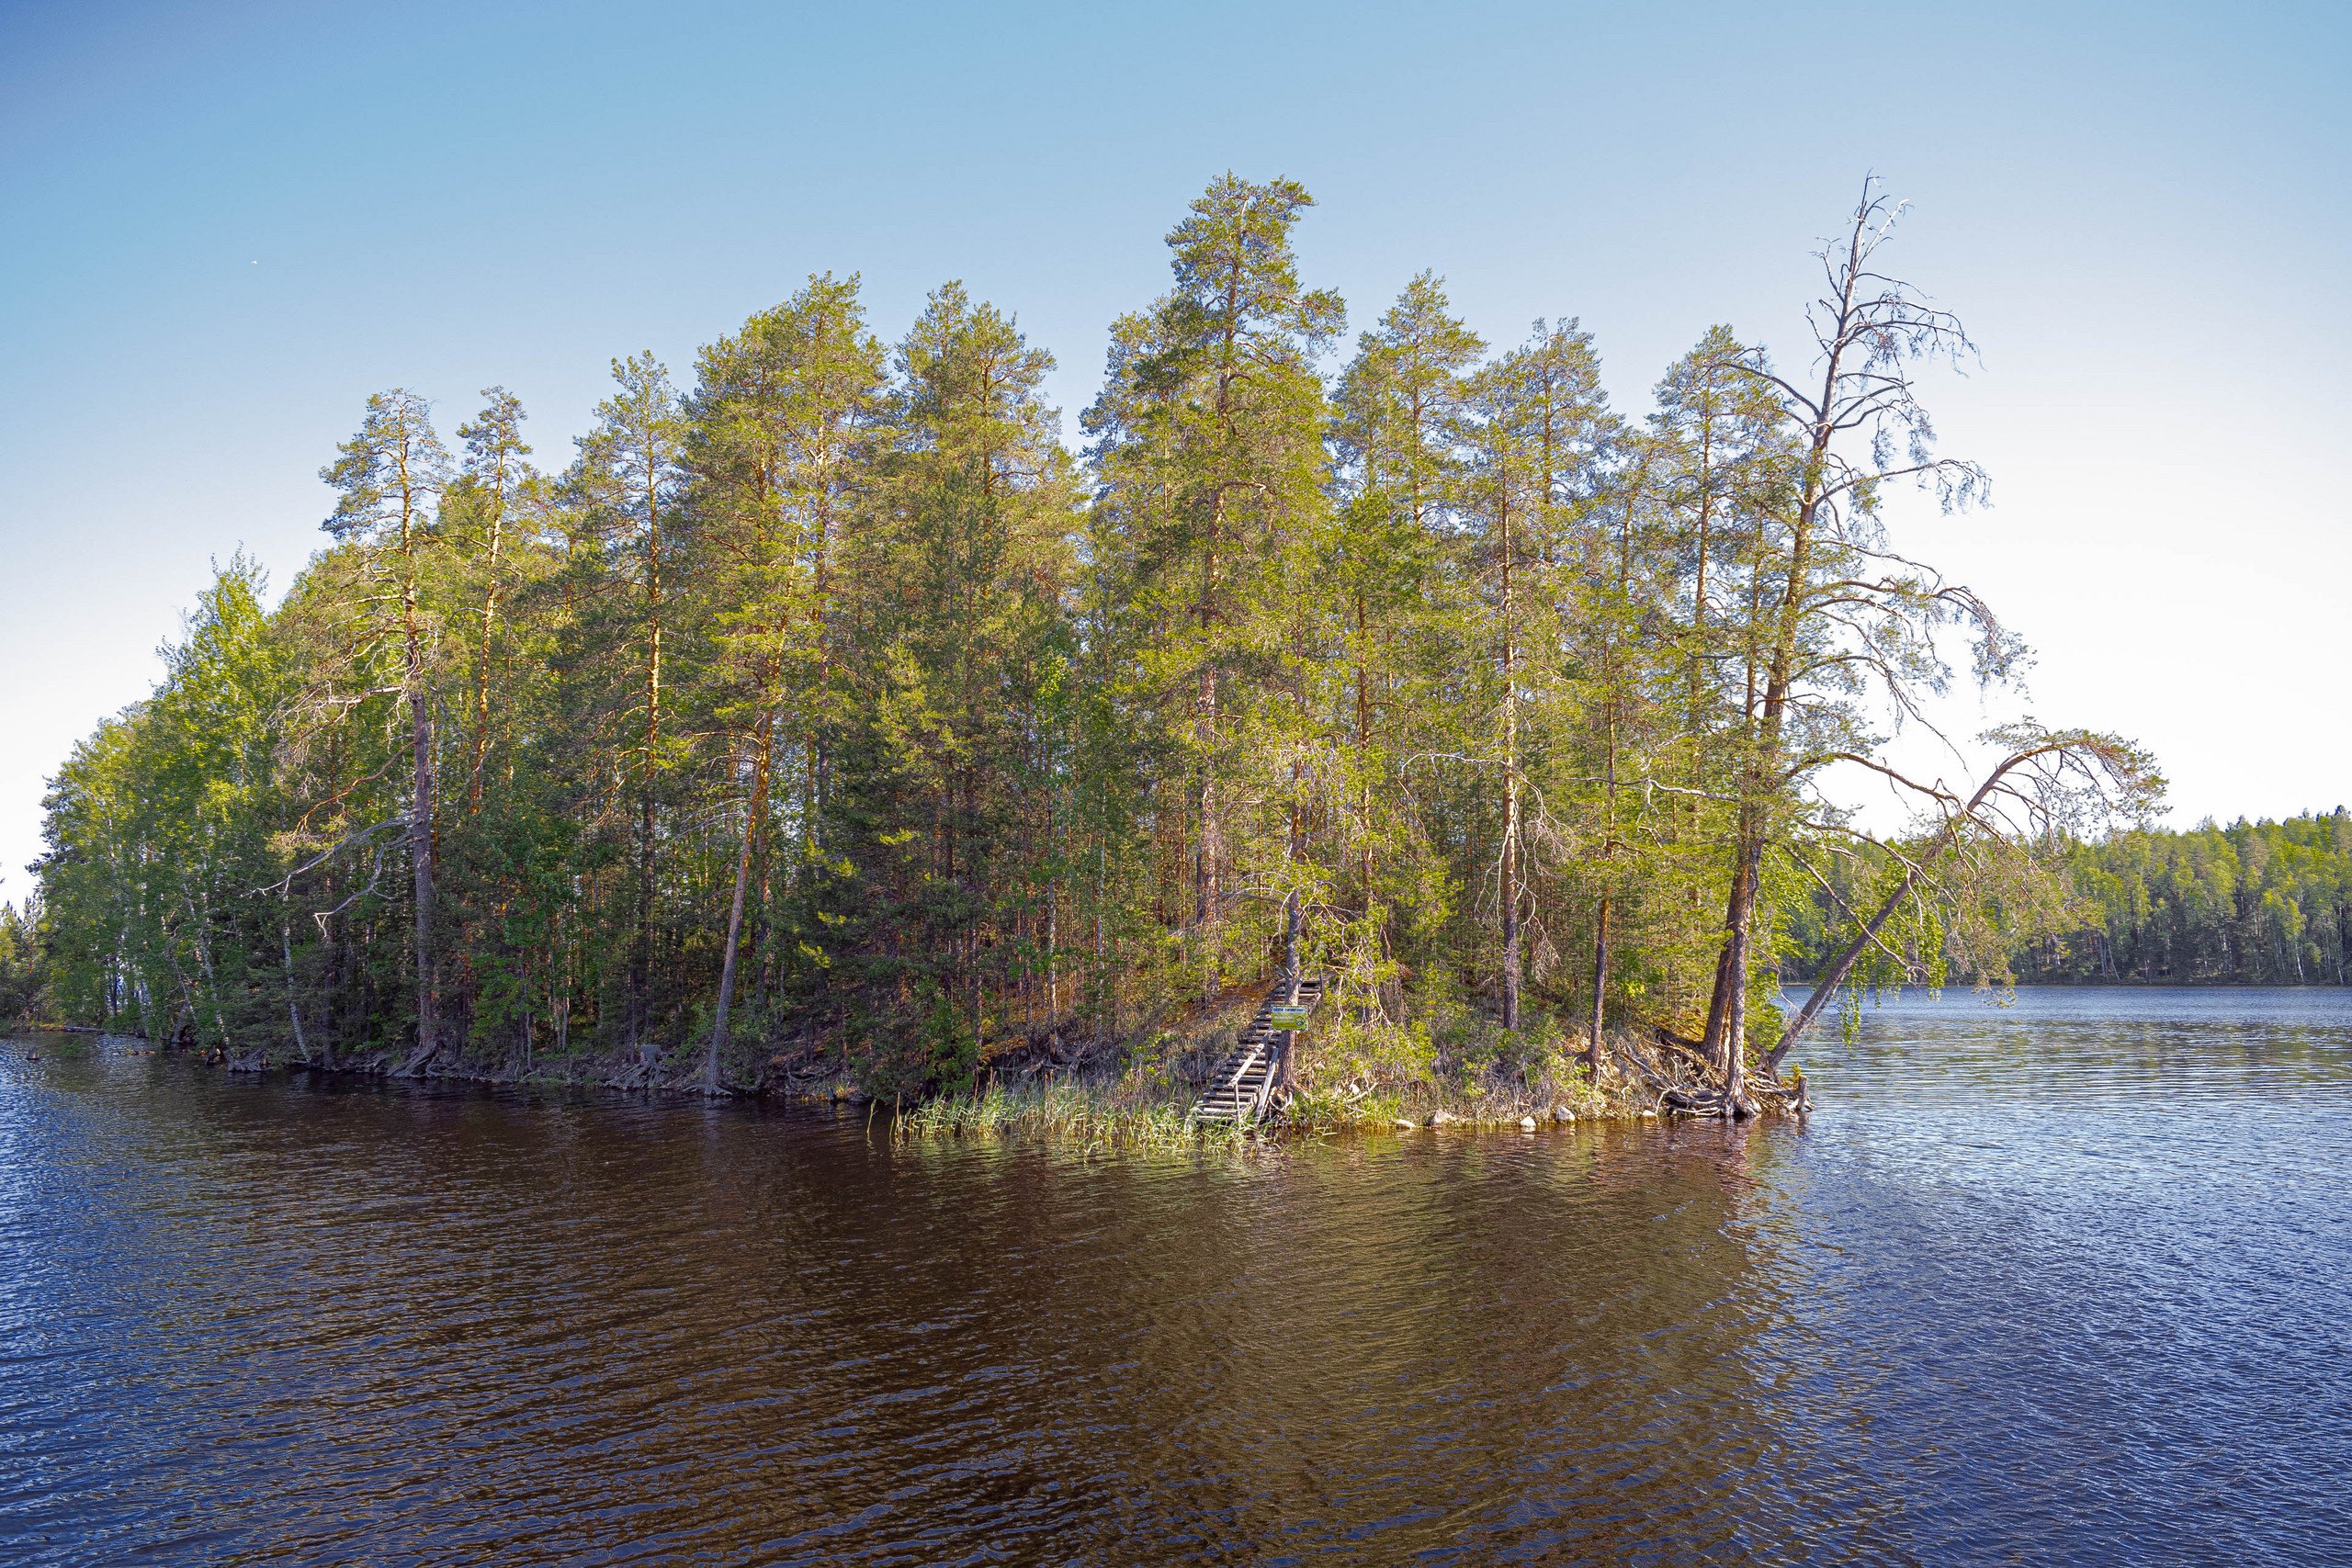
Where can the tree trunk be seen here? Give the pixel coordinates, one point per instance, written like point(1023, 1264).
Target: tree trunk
point(293, 997)
point(1727, 1008)
point(1835, 975)
point(1363, 754)
point(420, 850)
point(1510, 913)
point(1206, 848)
point(735, 910)
point(641, 954)
point(481, 658)
point(1510, 786)
point(1599, 982)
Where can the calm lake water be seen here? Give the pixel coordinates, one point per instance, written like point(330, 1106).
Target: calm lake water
point(2069, 1282)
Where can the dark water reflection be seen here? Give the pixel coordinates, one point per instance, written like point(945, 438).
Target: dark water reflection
point(2066, 1283)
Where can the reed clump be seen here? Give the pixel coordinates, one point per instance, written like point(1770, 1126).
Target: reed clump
point(1122, 1115)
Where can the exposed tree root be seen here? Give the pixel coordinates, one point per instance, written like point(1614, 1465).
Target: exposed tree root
point(420, 1062)
point(1686, 1081)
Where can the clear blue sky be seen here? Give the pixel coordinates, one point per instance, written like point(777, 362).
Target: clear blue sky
point(226, 223)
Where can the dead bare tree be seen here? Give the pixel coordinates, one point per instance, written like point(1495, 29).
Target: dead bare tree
point(1834, 612)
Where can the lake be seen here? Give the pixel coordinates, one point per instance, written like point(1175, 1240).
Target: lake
point(2069, 1281)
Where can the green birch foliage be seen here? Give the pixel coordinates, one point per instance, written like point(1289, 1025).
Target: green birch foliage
point(24, 959)
point(163, 829)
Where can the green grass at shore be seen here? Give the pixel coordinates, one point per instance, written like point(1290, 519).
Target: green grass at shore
point(1119, 1114)
point(1136, 1112)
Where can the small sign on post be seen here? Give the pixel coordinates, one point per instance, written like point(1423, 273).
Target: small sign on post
point(1289, 1017)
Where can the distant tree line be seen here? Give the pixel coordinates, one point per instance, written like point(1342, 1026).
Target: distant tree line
point(830, 705)
point(2258, 903)
point(24, 962)
point(2254, 903)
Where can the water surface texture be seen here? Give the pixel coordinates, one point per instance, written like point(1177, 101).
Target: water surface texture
point(2064, 1282)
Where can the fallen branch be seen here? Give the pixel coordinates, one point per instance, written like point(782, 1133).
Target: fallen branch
point(2106, 760)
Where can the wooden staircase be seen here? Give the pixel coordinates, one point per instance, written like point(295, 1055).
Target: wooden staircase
point(1245, 1079)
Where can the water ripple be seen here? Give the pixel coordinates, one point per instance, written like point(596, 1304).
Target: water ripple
point(2061, 1282)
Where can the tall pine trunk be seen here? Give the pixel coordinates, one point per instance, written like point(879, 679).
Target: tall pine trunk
point(1510, 892)
point(419, 822)
point(735, 909)
point(420, 850)
point(641, 948)
point(481, 660)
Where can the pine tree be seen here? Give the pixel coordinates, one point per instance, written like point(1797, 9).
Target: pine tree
point(1208, 443)
point(389, 476)
point(961, 646)
point(778, 422)
point(628, 479)
point(1542, 445)
point(1397, 436)
point(822, 698)
point(495, 489)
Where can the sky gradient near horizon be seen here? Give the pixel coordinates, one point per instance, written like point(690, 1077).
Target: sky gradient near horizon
point(228, 223)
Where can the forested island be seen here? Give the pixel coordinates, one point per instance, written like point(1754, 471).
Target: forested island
point(826, 718)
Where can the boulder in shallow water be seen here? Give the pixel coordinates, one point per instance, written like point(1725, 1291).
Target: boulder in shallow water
point(1440, 1118)
point(1562, 1113)
point(1404, 1125)
point(1527, 1123)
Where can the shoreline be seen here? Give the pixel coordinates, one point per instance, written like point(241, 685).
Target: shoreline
point(1126, 1107)
point(1124, 1110)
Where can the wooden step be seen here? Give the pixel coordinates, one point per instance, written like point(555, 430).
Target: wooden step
point(1246, 1075)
